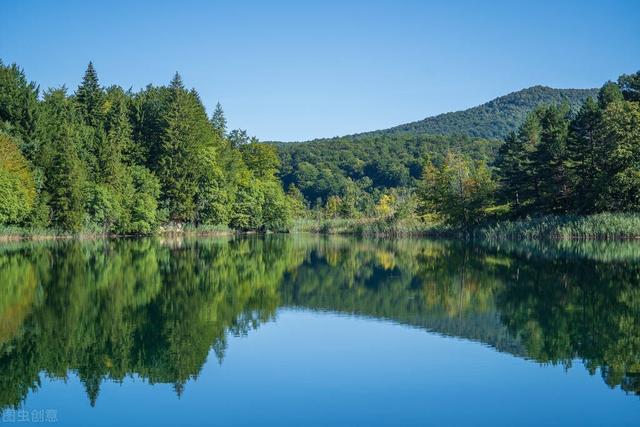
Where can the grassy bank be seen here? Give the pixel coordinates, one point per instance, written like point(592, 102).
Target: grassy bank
point(567, 227)
point(371, 227)
point(13, 233)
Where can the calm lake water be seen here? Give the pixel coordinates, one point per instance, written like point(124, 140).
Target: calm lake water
point(302, 330)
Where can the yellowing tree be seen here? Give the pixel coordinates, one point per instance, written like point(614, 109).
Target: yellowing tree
point(386, 205)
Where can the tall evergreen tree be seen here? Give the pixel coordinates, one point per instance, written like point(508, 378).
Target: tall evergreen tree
point(187, 133)
point(89, 96)
point(550, 172)
point(583, 155)
point(65, 175)
point(117, 145)
point(512, 163)
point(610, 92)
point(219, 121)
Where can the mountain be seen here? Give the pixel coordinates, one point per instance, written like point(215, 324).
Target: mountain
point(496, 118)
point(370, 163)
point(492, 120)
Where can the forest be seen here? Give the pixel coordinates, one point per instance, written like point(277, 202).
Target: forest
point(109, 160)
point(557, 163)
point(372, 163)
point(564, 160)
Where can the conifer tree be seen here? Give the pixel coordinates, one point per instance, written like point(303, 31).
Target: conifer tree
point(65, 175)
point(186, 135)
point(89, 96)
point(583, 155)
point(219, 121)
point(549, 168)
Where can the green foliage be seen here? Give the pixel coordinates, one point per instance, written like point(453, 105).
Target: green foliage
point(365, 168)
point(261, 159)
point(89, 97)
point(17, 185)
point(65, 174)
point(187, 132)
point(460, 191)
point(219, 121)
point(630, 86)
point(374, 162)
point(96, 158)
point(297, 203)
point(144, 202)
point(18, 107)
point(559, 163)
point(108, 160)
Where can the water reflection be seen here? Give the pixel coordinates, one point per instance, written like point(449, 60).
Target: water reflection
point(155, 308)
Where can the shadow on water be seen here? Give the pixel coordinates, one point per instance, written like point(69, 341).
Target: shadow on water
point(155, 308)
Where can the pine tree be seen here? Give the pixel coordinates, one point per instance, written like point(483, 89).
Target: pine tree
point(219, 121)
point(583, 154)
point(65, 175)
point(187, 133)
point(117, 143)
point(89, 96)
point(619, 183)
point(550, 172)
point(511, 163)
point(610, 92)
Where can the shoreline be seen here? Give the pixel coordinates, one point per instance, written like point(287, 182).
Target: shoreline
point(598, 227)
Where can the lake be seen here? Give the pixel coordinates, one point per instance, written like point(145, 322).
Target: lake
point(310, 330)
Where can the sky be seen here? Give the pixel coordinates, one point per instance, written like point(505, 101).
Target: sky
point(296, 70)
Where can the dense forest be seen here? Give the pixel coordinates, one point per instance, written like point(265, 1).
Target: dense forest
point(556, 163)
point(360, 172)
point(371, 163)
point(103, 159)
point(110, 160)
point(563, 158)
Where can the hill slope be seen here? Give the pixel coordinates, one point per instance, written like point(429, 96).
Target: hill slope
point(372, 162)
point(492, 120)
point(496, 118)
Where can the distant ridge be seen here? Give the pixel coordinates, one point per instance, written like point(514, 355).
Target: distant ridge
point(492, 120)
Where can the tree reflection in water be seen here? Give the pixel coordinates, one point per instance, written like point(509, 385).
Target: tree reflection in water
point(155, 308)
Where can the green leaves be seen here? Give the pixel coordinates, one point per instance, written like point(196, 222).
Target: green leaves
point(17, 186)
point(460, 191)
point(587, 163)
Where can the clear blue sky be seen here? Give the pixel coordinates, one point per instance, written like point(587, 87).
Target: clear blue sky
point(292, 70)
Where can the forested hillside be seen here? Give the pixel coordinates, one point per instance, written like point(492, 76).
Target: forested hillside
point(496, 118)
point(359, 171)
point(557, 163)
point(373, 162)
